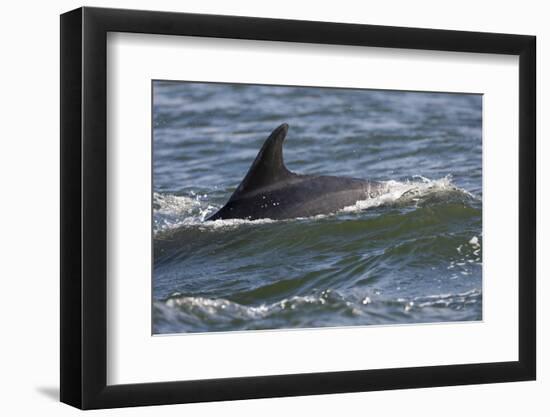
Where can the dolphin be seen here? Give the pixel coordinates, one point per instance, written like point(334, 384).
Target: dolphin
point(270, 191)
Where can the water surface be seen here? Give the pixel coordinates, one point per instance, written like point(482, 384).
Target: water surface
point(411, 255)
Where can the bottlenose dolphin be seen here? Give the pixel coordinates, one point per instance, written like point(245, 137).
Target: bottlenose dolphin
point(270, 190)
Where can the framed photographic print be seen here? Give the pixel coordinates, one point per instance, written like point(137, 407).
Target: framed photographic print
point(259, 207)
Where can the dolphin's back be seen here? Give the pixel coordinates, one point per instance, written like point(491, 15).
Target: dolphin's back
point(270, 190)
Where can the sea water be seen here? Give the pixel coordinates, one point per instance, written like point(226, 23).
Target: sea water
point(410, 255)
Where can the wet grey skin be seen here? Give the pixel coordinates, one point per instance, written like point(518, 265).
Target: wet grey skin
point(270, 190)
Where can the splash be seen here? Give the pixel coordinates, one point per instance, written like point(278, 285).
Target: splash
point(172, 211)
point(415, 191)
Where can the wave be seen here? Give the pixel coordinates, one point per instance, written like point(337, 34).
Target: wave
point(172, 211)
point(415, 192)
point(179, 313)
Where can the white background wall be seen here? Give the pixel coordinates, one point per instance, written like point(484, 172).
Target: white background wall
point(29, 177)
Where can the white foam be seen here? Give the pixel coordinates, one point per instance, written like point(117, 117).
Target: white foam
point(474, 242)
point(174, 205)
point(410, 191)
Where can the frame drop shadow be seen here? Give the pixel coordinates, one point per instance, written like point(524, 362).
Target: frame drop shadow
point(50, 392)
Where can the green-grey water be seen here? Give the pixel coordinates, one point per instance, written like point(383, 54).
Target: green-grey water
point(411, 255)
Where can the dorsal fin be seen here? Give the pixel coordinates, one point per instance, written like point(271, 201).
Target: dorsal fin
point(268, 167)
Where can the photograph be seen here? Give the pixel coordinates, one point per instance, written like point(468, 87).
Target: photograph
point(296, 207)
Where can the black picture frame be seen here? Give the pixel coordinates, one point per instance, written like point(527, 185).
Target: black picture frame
point(84, 207)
